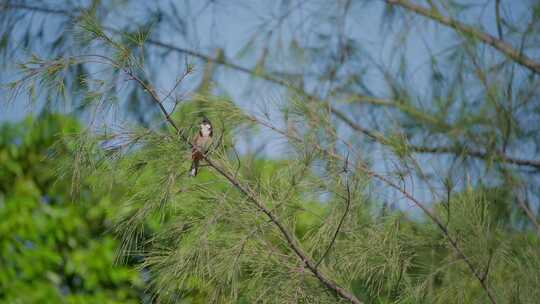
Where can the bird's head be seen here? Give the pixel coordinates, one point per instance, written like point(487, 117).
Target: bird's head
point(205, 127)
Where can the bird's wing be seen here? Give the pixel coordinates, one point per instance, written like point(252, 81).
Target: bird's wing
point(196, 139)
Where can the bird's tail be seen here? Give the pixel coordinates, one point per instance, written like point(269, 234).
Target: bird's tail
point(194, 168)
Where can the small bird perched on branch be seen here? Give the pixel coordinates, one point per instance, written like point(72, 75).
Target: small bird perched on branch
point(201, 143)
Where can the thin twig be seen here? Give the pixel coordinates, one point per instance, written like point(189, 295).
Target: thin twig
point(177, 83)
point(341, 221)
point(528, 213)
point(486, 271)
point(498, 18)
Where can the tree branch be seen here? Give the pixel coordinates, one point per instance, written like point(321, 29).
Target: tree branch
point(341, 221)
point(498, 18)
point(250, 194)
point(477, 154)
point(503, 47)
point(529, 214)
point(147, 88)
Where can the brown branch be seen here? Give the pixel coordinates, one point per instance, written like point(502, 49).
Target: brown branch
point(503, 47)
point(250, 194)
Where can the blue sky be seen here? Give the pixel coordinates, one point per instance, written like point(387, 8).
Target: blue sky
point(230, 26)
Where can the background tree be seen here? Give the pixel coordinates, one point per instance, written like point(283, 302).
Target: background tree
point(438, 125)
point(53, 249)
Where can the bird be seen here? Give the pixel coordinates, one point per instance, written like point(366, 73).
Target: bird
point(200, 145)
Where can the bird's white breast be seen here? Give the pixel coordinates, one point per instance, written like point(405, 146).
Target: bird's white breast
point(206, 130)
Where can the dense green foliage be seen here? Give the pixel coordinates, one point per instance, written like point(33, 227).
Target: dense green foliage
point(212, 246)
point(405, 165)
point(54, 247)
